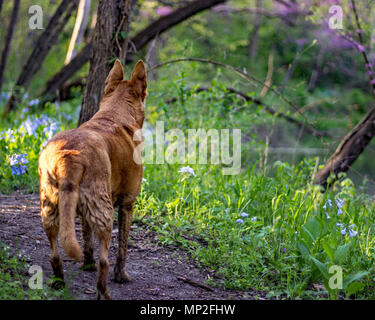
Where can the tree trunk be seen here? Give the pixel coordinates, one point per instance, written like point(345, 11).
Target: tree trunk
point(42, 47)
point(1, 5)
point(349, 149)
point(136, 43)
point(253, 46)
point(79, 28)
point(8, 39)
point(112, 17)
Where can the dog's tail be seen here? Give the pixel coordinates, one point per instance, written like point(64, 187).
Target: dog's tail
point(68, 200)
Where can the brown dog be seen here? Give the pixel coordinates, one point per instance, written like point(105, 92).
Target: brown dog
point(88, 171)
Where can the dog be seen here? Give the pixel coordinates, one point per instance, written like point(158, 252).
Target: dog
point(89, 171)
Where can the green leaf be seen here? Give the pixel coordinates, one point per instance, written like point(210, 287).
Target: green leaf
point(312, 229)
point(354, 288)
point(303, 249)
point(351, 278)
point(123, 35)
point(322, 268)
point(341, 253)
point(329, 251)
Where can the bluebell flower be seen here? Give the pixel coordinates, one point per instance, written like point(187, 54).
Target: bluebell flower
point(5, 95)
point(50, 130)
point(187, 170)
point(17, 164)
point(339, 203)
point(349, 229)
point(23, 169)
point(30, 126)
point(244, 214)
point(352, 232)
point(239, 221)
point(8, 135)
point(18, 159)
point(15, 170)
point(329, 203)
point(253, 219)
point(33, 102)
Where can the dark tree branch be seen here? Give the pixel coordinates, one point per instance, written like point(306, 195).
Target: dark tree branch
point(349, 150)
point(8, 39)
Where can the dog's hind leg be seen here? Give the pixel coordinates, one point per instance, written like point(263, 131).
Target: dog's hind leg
point(124, 224)
point(104, 241)
point(55, 259)
point(97, 209)
point(88, 246)
point(51, 227)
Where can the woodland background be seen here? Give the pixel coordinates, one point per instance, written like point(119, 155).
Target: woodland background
point(301, 92)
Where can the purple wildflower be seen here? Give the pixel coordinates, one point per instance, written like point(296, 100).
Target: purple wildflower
point(361, 47)
point(163, 11)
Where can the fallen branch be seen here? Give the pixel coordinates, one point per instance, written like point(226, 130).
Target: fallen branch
point(194, 283)
point(349, 150)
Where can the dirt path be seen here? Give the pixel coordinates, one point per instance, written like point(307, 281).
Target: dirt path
point(154, 269)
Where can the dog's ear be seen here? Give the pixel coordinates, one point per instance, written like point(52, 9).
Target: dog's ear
point(114, 77)
point(139, 79)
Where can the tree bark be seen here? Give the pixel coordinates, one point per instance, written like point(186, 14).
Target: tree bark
point(135, 44)
point(349, 150)
point(79, 28)
point(8, 39)
point(253, 43)
point(42, 47)
point(112, 17)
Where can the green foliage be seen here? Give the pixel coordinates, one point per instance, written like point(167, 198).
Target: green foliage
point(14, 279)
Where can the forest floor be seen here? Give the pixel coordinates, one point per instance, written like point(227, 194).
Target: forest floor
point(158, 272)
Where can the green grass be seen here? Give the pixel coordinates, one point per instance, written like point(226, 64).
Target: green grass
point(14, 280)
point(285, 245)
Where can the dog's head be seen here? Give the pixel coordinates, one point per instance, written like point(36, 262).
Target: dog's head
point(132, 91)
